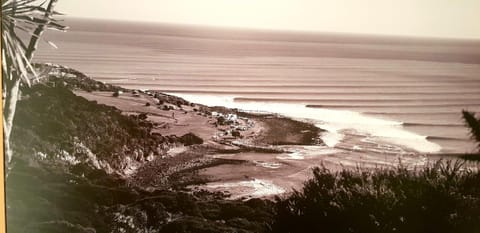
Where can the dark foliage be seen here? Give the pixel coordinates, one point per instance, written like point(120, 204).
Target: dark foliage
point(98, 202)
point(53, 119)
point(441, 198)
point(73, 79)
point(473, 124)
point(221, 121)
point(236, 133)
point(190, 139)
point(295, 132)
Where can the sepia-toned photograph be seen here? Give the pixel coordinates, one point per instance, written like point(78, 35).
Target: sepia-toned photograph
point(241, 116)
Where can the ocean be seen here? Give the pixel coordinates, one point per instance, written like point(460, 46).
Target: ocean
point(371, 93)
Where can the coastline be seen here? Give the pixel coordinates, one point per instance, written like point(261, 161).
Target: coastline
point(121, 170)
point(197, 129)
point(256, 134)
point(261, 157)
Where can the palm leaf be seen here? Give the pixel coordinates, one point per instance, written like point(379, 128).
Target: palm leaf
point(25, 16)
point(473, 124)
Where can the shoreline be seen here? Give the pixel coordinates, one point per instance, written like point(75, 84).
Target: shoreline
point(262, 161)
point(338, 123)
point(258, 136)
point(251, 156)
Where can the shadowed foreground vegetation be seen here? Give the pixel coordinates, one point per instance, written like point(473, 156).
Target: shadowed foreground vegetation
point(44, 199)
point(439, 198)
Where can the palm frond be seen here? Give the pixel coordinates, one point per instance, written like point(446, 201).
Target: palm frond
point(24, 16)
point(473, 124)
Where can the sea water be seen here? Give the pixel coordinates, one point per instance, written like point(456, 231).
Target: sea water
point(379, 94)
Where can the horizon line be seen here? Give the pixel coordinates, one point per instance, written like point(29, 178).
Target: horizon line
point(277, 30)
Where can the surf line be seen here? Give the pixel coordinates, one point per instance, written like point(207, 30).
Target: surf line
point(333, 121)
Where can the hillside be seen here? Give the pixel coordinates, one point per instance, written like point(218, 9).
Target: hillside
point(71, 157)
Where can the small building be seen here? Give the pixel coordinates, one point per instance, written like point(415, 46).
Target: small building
point(231, 117)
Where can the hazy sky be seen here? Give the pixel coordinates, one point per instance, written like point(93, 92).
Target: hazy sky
point(433, 18)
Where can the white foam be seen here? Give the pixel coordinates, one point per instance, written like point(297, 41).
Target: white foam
point(252, 188)
point(296, 155)
point(267, 164)
point(334, 121)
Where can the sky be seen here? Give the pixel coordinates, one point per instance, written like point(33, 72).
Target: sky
point(422, 18)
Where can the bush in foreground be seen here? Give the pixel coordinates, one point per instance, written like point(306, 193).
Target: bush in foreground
point(473, 124)
point(440, 198)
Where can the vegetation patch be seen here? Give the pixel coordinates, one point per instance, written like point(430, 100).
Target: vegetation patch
point(439, 198)
point(285, 131)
